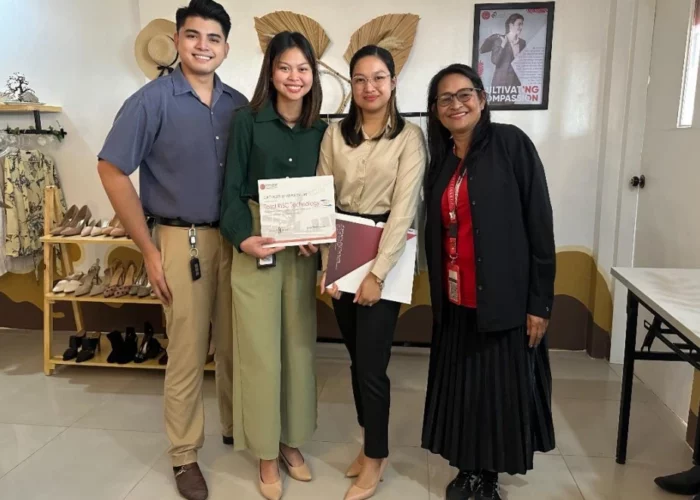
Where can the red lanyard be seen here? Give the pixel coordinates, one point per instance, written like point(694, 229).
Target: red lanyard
point(452, 199)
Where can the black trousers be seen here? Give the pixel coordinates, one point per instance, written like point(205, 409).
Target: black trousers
point(368, 333)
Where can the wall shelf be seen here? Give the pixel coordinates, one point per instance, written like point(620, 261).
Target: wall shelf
point(29, 108)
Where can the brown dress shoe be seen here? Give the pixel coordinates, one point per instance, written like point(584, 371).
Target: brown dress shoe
point(190, 482)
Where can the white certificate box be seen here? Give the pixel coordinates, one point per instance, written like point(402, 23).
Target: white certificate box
point(297, 211)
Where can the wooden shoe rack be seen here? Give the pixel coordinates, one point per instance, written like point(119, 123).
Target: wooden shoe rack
point(52, 359)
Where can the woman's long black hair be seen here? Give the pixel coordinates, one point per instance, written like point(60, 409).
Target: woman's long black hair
point(439, 138)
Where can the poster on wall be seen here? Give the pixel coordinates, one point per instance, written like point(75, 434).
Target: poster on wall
point(512, 52)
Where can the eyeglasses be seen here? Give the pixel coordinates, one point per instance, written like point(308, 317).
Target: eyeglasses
point(376, 80)
point(463, 96)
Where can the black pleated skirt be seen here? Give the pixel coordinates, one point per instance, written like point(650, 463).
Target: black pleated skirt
point(488, 405)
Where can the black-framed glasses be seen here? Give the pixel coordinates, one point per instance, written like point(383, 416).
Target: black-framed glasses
point(463, 95)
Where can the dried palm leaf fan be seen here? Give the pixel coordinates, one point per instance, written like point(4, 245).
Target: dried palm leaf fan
point(276, 22)
point(393, 32)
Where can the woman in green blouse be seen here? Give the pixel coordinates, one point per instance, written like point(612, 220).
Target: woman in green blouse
point(278, 135)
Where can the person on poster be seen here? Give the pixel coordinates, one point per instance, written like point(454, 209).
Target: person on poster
point(504, 49)
point(175, 130)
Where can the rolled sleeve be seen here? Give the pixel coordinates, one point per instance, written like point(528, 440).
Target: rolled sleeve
point(404, 204)
point(132, 135)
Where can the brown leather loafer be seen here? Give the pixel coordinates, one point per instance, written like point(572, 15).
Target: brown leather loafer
point(190, 482)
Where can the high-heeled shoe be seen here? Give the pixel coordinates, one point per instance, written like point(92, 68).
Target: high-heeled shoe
point(102, 283)
point(300, 473)
point(271, 491)
point(67, 218)
point(76, 225)
point(150, 347)
point(61, 285)
point(116, 280)
point(74, 343)
point(146, 290)
point(127, 282)
point(357, 493)
point(99, 227)
point(88, 281)
point(119, 231)
point(139, 281)
point(107, 230)
point(87, 230)
point(89, 346)
point(355, 467)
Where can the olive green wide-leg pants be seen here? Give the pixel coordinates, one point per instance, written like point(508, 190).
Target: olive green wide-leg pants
point(274, 350)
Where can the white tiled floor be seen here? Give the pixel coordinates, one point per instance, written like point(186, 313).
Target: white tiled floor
point(88, 433)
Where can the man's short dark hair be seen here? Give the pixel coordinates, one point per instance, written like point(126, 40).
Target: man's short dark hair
point(206, 9)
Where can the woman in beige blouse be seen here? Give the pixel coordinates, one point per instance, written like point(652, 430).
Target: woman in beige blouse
point(377, 160)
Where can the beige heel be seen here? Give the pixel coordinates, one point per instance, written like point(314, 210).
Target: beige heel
point(271, 491)
point(355, 468)
point(300, 473)
point(357, 493)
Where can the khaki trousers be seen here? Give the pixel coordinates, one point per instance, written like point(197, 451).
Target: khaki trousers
point(274, 351)
point(196, 305)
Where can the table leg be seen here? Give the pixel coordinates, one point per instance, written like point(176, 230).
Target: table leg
point(696, 449)
point(627, 377)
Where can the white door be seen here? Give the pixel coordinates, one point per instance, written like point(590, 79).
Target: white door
point(667, 232)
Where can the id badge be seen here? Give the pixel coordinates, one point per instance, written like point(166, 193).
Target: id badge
point(269, 261)
point(453, 284)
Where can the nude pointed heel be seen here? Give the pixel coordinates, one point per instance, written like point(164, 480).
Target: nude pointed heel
point(355, 468)
point(357, 493)
point(271, 491)
point(300, 473)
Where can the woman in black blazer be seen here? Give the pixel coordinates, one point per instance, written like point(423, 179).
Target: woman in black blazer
point(491, 260)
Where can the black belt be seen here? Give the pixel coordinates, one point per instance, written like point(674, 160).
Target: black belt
point(164, 221)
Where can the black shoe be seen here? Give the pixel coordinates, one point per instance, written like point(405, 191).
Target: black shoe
point(117, 341)
point(73, 346)
point(683, 483)
point(228, 440)
point(150, 347)
point(131, 346)
point(463, 486)
point(163, 359)
point(88, 347)
point(488, 488)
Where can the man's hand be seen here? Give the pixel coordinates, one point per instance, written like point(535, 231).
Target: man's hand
point(253, 246)
point(536, 328)
point(156, 276)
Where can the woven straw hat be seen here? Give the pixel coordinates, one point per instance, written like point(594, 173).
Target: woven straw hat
point(155, 49)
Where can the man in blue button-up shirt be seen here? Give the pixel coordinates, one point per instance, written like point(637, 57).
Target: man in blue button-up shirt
point(175, 129)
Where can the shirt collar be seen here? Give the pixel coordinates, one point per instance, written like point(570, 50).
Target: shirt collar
point(389, 125)
point(182, 86)
point(268, 114)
